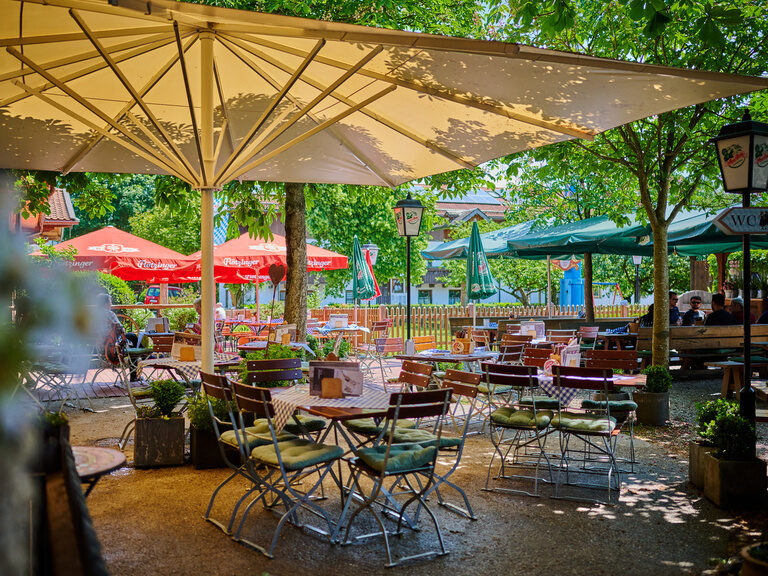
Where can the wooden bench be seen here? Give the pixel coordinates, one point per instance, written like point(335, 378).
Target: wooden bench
point(692, 343)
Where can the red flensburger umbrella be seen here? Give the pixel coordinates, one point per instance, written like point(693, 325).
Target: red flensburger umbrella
point(128, 257)
point(239, 260)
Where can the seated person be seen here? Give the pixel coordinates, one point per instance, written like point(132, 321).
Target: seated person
point(647, 319)
point(695, 313)
point(737, 311)
point(219, 314)
point(196, 327)
point(763, 318)
point(105, 300)
point(675, 319)
point(719, 315)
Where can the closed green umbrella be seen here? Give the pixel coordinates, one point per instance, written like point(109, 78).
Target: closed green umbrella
point(479, 279)
point(363, 284)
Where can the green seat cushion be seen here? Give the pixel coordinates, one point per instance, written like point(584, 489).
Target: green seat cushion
point(542, 402)
point(256, 435)
point(297, 454)
point(423, 437)
point(509, 417)
point(584, 423)
point(751, 359)
point(483, 388)
point(614, 405)
point(368, 427)
point(402, 457)
point(138, 351)
point(141, 392)
point(645, 353)
point(309, 423)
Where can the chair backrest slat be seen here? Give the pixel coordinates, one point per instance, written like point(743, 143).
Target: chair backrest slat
point(583, 378)
point(388, 345)
point(253, 399)
point(418, 404)
point(507, 369)
point(262, 371)
point(216, 386)
point(460, 380)
point(162, 344)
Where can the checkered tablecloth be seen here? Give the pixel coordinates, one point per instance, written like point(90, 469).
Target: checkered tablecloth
point(564, 395)
point(287, 401)
point(188, 370)
point(326, 330)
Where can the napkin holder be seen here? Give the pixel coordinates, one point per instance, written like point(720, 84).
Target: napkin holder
point(331, 388)
point(186, 354)
point(463, 346)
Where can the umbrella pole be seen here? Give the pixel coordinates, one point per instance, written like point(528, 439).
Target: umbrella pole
point(549, 287)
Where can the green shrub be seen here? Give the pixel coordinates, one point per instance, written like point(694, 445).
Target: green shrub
point(658, 379)
point(119, 290)
point(166, 394)
point(265, 310)
point(733, 436)
point(200, 416)
point(708, 412)
point(273, 352)
point(344, 348)
point(314, 345)
point(178, 318)
point(139, 316)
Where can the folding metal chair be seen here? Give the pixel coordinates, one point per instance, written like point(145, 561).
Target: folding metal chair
point(511, 354)
point(536, 356)
point(527, 423)
point(596, 428)
point(409, 468)
point(369, 354)
point(588, 337)
point(278, 468)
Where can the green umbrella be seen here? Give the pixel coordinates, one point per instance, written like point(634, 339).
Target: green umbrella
point(363, 284)
point(479, 279)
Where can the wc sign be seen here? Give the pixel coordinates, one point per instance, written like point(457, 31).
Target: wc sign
point(736, 221)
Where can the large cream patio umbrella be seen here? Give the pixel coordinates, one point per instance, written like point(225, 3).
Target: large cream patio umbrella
point(210, 95)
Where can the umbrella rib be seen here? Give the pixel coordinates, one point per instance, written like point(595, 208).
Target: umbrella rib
point(162, 147)
point(449, 95)
point(452, 156)
point(190, 103)
point(271, 107)
point(277, 131)
point(84, 103)
point(147, 87)
point(78, 58)
point(114, 137)
point(75, 36)
point(344, 142)
point(89, 69)
point(225, 126)
point(313, 131)
point(131, 90)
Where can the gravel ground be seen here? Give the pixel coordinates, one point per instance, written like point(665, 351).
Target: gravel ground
point(150, 520)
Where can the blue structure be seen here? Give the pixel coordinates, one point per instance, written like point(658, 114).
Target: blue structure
point(572, 287)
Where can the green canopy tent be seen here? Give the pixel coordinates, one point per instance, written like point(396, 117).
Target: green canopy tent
point(495, 243)
point(479, 278)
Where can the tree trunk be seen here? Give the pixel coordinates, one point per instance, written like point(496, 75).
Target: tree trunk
point(660, 295)
point(589, 303)
point(296, 247)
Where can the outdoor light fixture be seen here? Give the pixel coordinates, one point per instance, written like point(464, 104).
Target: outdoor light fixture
point(742, 153)
point(373, 250)
point(408, 216)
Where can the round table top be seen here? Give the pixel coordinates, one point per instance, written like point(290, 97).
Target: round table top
point(93, 461)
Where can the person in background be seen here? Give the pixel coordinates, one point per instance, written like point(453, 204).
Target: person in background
point(647, 319)
point(737, 311)
point(219, 313)
point(695, 313)
point(196, 327)
point(675, 319)
point(719, 315)
point(763, 318)
point(105, 300)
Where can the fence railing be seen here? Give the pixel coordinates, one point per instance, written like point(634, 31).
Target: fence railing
point(435, 320)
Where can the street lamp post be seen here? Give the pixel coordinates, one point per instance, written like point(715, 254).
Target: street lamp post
point(742, 153)
point(636, 260)
point(373, 250)
point(408, 216)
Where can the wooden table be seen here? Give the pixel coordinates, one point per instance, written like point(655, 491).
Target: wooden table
point(733, 374)
point(618, 339)
point(92, 462)
point(435, 357)
point(262, 345)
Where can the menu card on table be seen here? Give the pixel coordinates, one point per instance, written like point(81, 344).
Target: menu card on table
point(348, 372)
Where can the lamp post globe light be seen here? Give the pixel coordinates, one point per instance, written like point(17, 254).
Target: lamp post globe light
point(742, 154)
point(408, 217)
point(373, 250)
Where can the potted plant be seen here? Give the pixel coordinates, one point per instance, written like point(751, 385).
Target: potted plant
point(754, 559)
point(706, 414)
point(272, 352)
point(653, 400)
point(733, 475)
point(203, 443)
point(160, 430)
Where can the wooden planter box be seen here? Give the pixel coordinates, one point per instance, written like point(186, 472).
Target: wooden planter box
point(696, 462)
point(735, 482)
point(159, 442)
point(204, 450)
point(652, 407)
